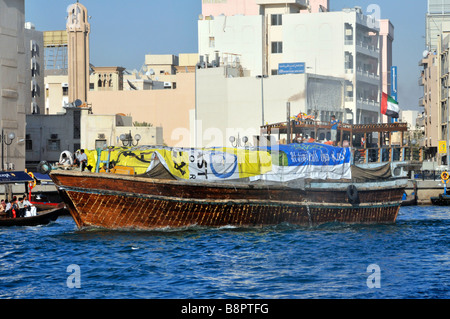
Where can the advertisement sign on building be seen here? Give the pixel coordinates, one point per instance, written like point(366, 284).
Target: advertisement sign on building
point(291, 68)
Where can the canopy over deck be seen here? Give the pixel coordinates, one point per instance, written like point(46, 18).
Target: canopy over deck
point(14, 177)
point(299, 127)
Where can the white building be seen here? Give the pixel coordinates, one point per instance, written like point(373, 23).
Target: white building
point(231, 105)
point(341, 44)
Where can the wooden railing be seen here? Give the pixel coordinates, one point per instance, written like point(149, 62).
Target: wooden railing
point(386, 154)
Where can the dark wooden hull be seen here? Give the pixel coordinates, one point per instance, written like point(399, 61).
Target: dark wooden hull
point(441, 200)
point(123, 202)
point(43, 218)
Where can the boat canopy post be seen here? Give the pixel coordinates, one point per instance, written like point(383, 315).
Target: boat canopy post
point(99, 157)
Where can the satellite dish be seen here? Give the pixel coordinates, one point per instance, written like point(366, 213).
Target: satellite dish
point(425, 53)
point(78, 103)
point(132, 85)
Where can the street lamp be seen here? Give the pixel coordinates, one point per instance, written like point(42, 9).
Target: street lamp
point(238, 142)
point(127, 139)
point(262, 77)
point(4, 140)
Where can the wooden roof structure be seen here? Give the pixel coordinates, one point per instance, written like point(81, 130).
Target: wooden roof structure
point(298, 127)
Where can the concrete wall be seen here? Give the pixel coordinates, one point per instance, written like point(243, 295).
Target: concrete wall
point(101, 130)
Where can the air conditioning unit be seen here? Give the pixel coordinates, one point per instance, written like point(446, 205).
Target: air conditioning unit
point(101, 136)
point(167, 85)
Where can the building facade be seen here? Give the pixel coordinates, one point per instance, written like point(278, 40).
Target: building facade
point(231, 105)
point(343, 44)
point(34, 52)
point(438, 14)
point(430, 81)
point(13, 84)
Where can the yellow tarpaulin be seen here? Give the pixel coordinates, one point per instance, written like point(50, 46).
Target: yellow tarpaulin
point(207, 164)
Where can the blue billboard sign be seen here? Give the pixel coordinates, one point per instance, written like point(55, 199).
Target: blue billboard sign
point(394, 77)
point(291, 68)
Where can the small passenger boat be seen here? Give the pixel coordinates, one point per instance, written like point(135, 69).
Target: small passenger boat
point(444, 198)
point(441, 200)
point(42, 218)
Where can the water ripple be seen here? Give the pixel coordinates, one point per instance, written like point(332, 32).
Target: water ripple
point(284, 261)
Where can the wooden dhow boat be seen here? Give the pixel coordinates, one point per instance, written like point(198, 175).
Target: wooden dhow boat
point(130, 202)
point(302, 184)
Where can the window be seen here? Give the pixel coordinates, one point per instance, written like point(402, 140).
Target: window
point(212, 42)
point(277, 47)
point(274, 72)
point(28, 143)
point(277, 19)
point(65, 91)
point(100, 144)
point(54, 145)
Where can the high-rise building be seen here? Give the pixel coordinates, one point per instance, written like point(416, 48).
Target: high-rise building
point(342, 44)
point(435, 80)
point(438, 16)
point(13, 86)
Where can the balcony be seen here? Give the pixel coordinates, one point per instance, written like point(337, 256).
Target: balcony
point(421, 81)
point(421, 102)
point(367, 104)
point(366, 76)
point(367, 49)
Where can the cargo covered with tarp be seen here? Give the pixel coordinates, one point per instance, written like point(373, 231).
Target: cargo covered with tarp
point(280, 163)
point(309, 161)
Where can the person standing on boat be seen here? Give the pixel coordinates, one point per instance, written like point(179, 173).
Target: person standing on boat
point(2, 207)
point(82, 160)
point(334, 127)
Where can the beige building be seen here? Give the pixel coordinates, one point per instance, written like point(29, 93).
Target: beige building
point(13, 84)
point(164, 100)
point(56, 93)
point(106, 79)
point(430, 80)
point(170, 109)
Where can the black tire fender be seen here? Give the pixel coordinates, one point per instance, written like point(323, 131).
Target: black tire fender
point(44, 168)
point(352, 194)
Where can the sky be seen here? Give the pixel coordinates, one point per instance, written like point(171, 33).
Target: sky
point(123, 32)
